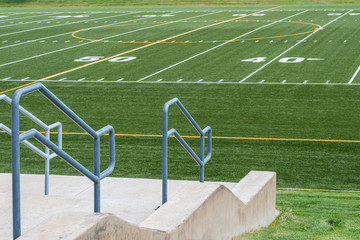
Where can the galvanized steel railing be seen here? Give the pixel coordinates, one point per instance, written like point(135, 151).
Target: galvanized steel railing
point(201, 161)
point(17, 138)
point(46, 155)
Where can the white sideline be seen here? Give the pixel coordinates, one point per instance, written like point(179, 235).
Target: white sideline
point(27, 30)
point(355, 74)
point(208, 10)
point(287, 50)
point(220, 45)
point(180, 81)
point(59, 50)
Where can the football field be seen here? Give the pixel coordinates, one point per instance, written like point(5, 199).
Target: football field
point(279, 86)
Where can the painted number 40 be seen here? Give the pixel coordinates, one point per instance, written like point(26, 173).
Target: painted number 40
point(282, 60)
point(96, 58)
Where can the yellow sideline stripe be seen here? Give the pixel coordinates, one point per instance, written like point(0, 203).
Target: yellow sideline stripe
point(207, 41)
point(219, 137)
point(138, 48)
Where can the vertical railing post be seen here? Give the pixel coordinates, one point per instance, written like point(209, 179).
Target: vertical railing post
point(15, 151)
point(97, 173)
point(164, 155)
point(60, 136)
point(47, 163)
point(202, 154)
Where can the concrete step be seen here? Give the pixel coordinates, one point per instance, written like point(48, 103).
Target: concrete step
point(131, 208)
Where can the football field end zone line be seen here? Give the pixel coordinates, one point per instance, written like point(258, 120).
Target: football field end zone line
point(220, 45)
point(6, 34)
point(218, 137)
point(287, 50)
point(132, 50)
point(90, 42)
point(184, 82)
point(355, 74)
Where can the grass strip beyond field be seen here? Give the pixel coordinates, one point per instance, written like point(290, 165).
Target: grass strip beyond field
point(313, 215)
point(58, 3)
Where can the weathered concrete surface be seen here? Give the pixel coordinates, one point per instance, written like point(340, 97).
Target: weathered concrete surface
point(131, 208)
point(257, 191)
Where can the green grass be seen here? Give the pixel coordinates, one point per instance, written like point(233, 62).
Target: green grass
point(293, 110)
point(324, 108)
point(298, 164)
point(313, 215)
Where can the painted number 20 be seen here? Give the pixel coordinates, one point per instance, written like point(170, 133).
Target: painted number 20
point(96, 58)
point(282, 60)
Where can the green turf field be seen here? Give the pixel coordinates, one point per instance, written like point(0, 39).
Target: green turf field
point(279, 85)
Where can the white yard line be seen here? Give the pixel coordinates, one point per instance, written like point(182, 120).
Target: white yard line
point(355, 74)
point(62, 24)
point(220, 45)
point(293, 46)
point(63, 49)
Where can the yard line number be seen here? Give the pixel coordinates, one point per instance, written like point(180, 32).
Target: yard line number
point(96, 58)
point(282, 60)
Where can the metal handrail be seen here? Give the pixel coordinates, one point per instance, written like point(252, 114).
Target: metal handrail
point(201, 161)
point(17, 138)
point(46, 155)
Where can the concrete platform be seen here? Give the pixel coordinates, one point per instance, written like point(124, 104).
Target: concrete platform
point(131, 208)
